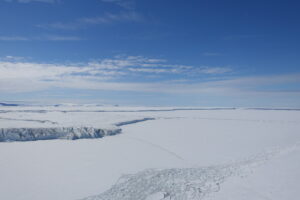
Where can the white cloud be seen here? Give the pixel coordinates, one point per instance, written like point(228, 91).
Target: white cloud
point(241, 37)
point(61, 38)
point(127, 4)
point(110, 74)
point(114, 65)
point(107, 18)
point(62, 26)
point(13, 38)
point(153, 70)
point(142, 64)
point(29, 1)
point(41, 38)
point(12, 58)
point(214, 70)
point(211, 54)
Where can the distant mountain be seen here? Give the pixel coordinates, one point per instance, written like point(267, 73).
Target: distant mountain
point(8, 104)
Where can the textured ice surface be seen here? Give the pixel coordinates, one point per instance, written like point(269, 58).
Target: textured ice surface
point(73, 133)
point(163, 157)
point(182, 183)
point(175, 184)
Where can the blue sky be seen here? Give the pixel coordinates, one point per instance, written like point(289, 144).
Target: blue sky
point(158, 52)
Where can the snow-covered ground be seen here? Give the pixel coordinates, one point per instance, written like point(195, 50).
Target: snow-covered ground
point(158, 153)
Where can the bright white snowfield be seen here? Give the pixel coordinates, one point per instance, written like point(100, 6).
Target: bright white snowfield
point(142, 153)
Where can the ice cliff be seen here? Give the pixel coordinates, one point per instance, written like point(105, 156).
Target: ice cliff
point(72, 133)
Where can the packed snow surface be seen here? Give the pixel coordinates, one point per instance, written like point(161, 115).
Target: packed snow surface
point(154, 153)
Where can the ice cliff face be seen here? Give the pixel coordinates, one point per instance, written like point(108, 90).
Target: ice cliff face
point(72, 133)
point(60, 132)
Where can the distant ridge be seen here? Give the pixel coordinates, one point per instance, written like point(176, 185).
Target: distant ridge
point(8, 104)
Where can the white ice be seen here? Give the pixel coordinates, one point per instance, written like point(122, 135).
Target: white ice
point(178, 154)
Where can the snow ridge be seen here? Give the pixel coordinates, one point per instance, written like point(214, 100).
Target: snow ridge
point(72, 133)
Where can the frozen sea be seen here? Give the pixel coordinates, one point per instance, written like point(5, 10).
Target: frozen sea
point(143, 153)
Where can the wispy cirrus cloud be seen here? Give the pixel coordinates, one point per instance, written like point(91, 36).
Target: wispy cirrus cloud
point(91, 73)
point(13, 38)
point(214, 70)
point(40, 38)
point(127, 4)
point(62, 26)
point(61, 38)
point(12, 58)
point(211, 54)
point(241, 36)
point(29, 1)
point(120, 74)
point(119, 65)
point(140, 64)
point(107, 18)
